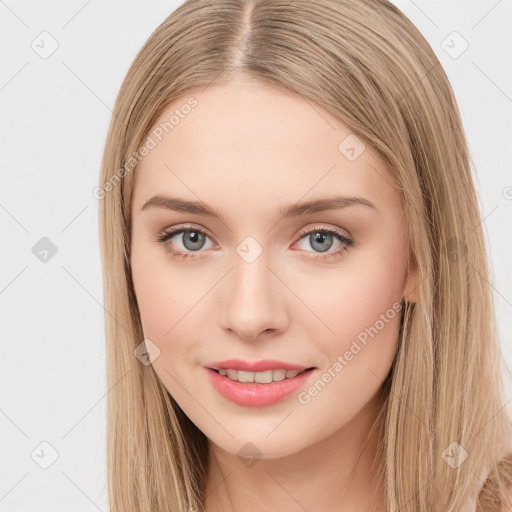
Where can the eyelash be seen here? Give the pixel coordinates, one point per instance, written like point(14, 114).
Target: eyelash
point(170, 233)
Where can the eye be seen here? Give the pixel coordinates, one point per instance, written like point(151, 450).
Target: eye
point(321, 239)
point(191, 239)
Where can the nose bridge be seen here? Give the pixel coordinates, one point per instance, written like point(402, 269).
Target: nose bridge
point(252, 302)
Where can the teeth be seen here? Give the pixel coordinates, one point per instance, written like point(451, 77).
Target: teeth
point(259, 377)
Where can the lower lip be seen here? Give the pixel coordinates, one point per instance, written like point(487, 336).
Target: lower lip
point(252, 394)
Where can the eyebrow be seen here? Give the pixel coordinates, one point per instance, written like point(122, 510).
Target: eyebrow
point(289, 211)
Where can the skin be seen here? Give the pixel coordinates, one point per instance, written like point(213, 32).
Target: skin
point(247, 150)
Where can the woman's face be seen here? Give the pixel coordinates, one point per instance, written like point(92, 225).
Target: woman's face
point(272, 265)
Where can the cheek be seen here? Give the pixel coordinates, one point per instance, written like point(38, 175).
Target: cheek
point(155, 300)
point(157, 291)
point(173, 306)
point(359, 305)
point(169, 307)
point(363, 312)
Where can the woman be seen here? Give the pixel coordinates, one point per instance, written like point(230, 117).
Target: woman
point(295, 271)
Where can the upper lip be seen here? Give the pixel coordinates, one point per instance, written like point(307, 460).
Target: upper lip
point(255, 366)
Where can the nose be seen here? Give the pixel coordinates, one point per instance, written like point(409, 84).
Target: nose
point(253, 300)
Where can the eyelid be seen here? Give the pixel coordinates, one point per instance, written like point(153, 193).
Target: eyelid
point(342, 235)
point(184, 227)
point(302, 232)
point(320, 227)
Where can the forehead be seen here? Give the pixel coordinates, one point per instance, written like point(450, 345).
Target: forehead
point(265, 144)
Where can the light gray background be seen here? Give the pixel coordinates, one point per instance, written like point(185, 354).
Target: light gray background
point(55, 114)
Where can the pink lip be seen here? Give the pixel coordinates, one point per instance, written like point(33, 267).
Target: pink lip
point(255, 366)
point(253, 394)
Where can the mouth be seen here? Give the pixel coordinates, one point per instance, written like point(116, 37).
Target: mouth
point(258, 389)
point(261, 377)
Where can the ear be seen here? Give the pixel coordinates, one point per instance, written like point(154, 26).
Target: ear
point(411, 288)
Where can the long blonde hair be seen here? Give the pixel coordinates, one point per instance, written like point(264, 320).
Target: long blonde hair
point(370, 67)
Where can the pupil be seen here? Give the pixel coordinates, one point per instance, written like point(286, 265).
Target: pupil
point(320, 238)
point(192, 240)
